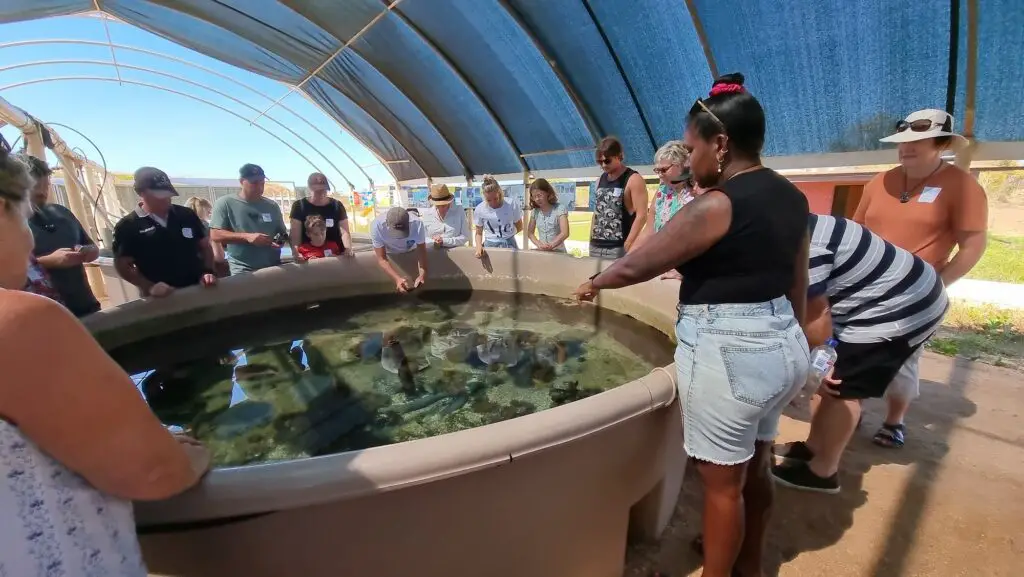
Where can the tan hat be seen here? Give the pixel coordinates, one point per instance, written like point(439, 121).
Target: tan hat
point(440, 195)
point(925, 124)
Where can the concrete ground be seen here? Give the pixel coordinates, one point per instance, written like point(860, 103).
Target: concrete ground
point(950, 503)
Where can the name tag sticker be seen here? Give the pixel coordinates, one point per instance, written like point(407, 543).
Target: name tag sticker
point(929, 194)
point(327, 252)
point(330, 222)
point(186, 232)
point(266, 217)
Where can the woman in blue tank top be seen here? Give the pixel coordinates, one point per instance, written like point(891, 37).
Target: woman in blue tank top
point(741, 354)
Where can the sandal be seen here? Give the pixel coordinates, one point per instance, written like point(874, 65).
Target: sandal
point(891, 436)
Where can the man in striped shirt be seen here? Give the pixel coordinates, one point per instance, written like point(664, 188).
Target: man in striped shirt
point(881, 303)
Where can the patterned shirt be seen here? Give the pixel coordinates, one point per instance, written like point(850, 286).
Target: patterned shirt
point(667, 203)
point(39, 281)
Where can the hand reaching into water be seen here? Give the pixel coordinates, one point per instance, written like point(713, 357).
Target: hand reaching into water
point(586, 292)
point(402, 285)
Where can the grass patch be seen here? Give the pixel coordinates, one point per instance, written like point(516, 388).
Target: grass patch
point(982, 332)
point(1003, 260)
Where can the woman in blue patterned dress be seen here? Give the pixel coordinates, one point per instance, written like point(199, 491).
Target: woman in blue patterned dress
point(77, 441)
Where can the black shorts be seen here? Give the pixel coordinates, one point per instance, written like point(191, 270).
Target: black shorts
point(866, 369)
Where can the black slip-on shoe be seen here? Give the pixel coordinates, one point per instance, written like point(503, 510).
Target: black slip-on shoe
point(798, 475)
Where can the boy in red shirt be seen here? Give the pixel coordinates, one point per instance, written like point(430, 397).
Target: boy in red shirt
point(318, 245)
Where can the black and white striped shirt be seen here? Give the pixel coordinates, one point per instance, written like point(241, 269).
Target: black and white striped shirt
point(876, 290)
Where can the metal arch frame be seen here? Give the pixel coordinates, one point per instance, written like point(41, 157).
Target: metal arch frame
point(702, 37)
point(186, 81)
point(441, 55)
point(388, 8)
point(204, 69)
point(329, 59)
point(586, 115)
point(373, 151)
point(110, 43)
point(622, 73)
point(164, 89)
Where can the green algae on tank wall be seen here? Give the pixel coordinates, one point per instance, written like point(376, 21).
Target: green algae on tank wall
point(356, 373)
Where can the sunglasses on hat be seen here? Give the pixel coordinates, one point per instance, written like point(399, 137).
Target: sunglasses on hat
point(922, 125)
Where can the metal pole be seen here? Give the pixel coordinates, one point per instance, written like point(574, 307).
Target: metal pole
point(526, 208)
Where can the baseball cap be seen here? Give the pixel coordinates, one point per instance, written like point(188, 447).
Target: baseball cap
point(252, 173)
point(397, 220)
point(153, 180)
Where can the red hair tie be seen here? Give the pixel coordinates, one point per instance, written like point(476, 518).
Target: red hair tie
point(726, 88)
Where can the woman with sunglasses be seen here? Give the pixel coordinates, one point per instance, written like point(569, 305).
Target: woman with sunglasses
point(675, 189)
point(926, 206)
point(741, 355)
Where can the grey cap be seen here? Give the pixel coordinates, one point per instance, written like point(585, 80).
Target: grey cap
point(397, 220)
point(154, 180)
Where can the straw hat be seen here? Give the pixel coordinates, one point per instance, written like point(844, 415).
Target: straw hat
point(440, 195)
point(925, 124)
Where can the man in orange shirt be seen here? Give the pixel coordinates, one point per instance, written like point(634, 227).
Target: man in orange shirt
point(926, 206)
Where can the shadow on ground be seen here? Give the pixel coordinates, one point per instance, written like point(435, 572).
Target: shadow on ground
point(804, 522)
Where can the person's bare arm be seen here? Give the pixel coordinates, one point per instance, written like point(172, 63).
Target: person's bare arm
point(798, 292)
point(478, 236)
point(648, 230)
point(818, 324)
point(125, 267)
point(346, 236)
point(519, 225)
point(531, 233)
point(970, 248)
point(563, 230)
point(206, 249)
point(85, 411)
point(385, 264)
point(229, 236)
point(61, 258)
point(295, 232)
point(636, 200)
point(694, 229)
point(862, 207)
point(421, 262)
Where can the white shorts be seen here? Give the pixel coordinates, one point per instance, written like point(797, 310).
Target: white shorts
point(906, 384)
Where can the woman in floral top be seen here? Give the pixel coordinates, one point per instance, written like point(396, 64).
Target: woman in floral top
point(39, 281)
point(672, 165)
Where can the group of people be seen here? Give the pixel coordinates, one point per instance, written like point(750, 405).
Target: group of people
point(764, 281)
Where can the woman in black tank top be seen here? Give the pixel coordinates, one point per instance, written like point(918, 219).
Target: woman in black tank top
point(741, 355)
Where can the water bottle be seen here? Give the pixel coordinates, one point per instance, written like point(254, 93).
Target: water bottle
point(823, 358)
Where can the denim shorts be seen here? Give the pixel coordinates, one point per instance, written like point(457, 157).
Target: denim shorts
point(738, 365)
point(501, 243)
point(601, 252)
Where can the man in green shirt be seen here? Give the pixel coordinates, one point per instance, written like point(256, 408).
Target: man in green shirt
point(251, 226)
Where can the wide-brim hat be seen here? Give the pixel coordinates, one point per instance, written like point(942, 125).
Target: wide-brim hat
point(440, 195)
point(941, 125)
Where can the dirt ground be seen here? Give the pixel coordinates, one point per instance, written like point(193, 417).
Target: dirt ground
point(950, 503)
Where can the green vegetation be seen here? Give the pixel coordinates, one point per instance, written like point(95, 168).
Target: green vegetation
point(1003, 260)
point(984, 333)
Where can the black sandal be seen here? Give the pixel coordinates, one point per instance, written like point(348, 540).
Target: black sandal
point(891, 436)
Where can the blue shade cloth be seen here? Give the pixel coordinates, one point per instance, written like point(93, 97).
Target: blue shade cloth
point(832, 75)
point(589, 68)
point(408, 61)
point(662, 58)
point(366, 87)
point(364, 127)
point(207, 38)
point(1000, 90)
point(501, 61)
point(16, 10)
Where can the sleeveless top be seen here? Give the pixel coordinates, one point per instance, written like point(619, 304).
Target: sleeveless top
point(612, 222)
point(755, 261)
point(667, 203)
point(54, 523)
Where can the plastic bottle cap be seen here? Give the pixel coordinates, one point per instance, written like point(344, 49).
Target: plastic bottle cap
point(832, 342)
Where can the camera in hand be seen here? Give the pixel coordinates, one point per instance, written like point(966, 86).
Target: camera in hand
point(281, 238)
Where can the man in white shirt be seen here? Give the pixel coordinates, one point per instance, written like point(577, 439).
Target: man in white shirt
point(395, 232)
point(445, 226)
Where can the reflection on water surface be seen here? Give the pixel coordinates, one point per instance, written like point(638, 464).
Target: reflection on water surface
point(358, 373)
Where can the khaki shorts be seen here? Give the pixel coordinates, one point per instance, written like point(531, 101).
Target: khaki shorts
point(906, 384)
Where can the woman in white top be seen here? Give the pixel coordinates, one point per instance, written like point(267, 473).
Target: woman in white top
point(446, 228)
point(549, 222)
point(77, 441)
point(497, 222)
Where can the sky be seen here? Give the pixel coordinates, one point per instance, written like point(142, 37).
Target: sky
point(135, 126)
